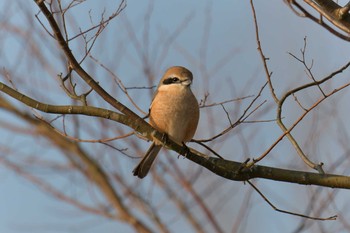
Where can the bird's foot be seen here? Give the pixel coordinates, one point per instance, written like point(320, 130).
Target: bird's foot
point(165, 138)
point(185, 150)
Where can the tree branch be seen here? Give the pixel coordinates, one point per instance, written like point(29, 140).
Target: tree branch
point(76, 66)
point(228, 169)
point(233, 171)
point(334, 13)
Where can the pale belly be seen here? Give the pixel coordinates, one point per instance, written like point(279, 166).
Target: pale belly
point(176, 114)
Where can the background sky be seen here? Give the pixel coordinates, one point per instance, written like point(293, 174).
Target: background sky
point(213, 34)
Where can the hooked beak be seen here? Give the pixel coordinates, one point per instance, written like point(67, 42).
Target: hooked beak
point(186, 82)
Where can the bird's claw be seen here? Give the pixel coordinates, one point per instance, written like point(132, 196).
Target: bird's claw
point(186, 151)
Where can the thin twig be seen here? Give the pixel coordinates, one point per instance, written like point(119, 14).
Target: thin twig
point(241, 119)
point(334, 217)
point(204, 105)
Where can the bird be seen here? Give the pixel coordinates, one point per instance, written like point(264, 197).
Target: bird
point(174, 111)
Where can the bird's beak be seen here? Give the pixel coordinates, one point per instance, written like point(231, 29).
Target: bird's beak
point(186, 82)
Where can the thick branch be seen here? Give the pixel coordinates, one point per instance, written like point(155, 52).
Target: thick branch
point(233, 171)
point(90, 167)
point(333, 12)
point(73, 109)
point(228, 169)
point(329, 9)
point(76, 66)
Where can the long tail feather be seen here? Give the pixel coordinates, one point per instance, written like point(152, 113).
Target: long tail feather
point(144, 166)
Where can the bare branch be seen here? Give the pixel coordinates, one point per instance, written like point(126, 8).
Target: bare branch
point(288, 212)
point(329, 9)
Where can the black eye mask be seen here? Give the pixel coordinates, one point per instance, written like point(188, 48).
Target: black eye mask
point(171, 80)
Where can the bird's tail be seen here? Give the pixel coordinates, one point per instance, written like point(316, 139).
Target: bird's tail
point(143, 167)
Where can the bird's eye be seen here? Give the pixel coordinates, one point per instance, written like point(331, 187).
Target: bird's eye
point(171, 80)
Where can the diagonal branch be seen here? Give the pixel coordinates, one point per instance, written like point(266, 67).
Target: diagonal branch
point(281, 101)
point(228, 169)
point(76, 66)
point(94, 172)
point(329, 9)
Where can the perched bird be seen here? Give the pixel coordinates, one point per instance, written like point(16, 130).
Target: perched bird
point(174, 111)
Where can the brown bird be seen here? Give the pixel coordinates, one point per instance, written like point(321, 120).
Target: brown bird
point(174, 111)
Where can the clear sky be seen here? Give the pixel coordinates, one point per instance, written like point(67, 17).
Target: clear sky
point(231, 46)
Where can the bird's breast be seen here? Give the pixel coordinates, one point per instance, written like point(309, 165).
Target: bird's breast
point(175, 111)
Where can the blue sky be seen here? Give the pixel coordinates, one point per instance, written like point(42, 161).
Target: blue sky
point(231, 42)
